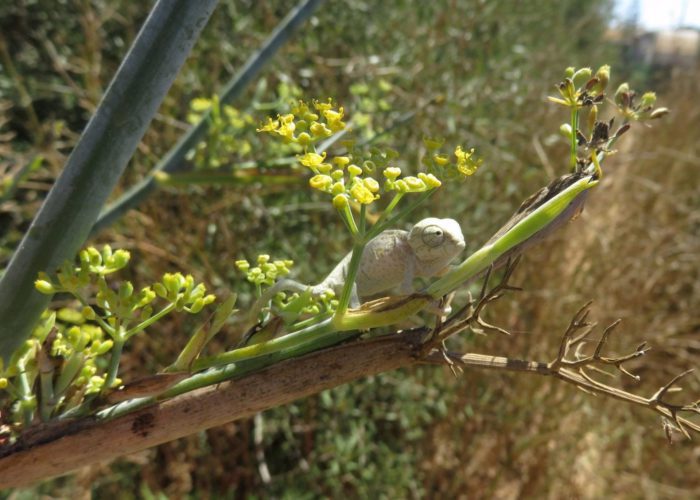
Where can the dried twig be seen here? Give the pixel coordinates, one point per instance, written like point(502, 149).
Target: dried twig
point(573, 367)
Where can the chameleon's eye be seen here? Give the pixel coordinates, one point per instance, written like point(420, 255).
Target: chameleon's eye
point(433, 236)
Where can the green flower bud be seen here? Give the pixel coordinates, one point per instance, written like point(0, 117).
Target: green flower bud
point(338, 188)
point(160, 290)
point(565, 130)
point(354, 171)
point(622, 95)
point(603, 76)
point(119, 259)
point(392, 173)
point(321, 182)
point(569, 72)
point(126, 289)
point(88, 313)
point(44, 287)
point(340, 201)
point(581, 77)
point(197, 306)
point(415, 184)
point(648, 100)
point(242, 265)
point(341, 161)
point(430, 180)
point(95, 256)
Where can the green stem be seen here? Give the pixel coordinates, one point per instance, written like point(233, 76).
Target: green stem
point(390, 207)
point(381, 226)
point(353, 268)
point(349, 219)
point(148, 322)
point(574, 139)
point(70, 370)
point(234, 370)
point(47, 395)
point(26, 397)
point(317, 331)
point(114, 363)
point(105, 326)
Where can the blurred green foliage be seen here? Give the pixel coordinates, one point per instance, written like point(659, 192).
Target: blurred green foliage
point(474, 72)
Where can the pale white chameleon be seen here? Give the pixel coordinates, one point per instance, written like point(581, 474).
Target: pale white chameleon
point(390, 260)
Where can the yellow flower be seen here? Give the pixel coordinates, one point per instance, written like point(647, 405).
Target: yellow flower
point(338, 187)
point(320, 130)
point(341, 161)
point(392, 173)
point(430, 180)
point(441, 160)
point(323, 106)
point(340, 201)
point(321, 182)
point(414, 184)
point(371, 184)
point(312, 160)
point(361, 194)
point(334, 119)
point(200, 104)
point(287, 127)
point(465, 163)
point(270, 126)
point(354, 170)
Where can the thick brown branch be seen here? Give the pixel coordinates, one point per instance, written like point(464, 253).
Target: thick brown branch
point(86, 441)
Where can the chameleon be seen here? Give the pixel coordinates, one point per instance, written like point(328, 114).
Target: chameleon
point(391, 259)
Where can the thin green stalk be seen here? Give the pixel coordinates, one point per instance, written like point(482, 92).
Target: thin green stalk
point(208, 177)
point(26, 396)
point(68, 373)
point(529, 226)
point(114, 363)
point(381, 226)
point(353, 268)
point(219, 372)
point(363, 219)
point(390, 207)
point(316, 331)
point(47, 395)
point(574, 139)
point(148, 322)
point(349, 219)
point(105, 326)
point(203, 335)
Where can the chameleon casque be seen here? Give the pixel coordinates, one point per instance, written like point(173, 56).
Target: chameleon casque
point(392, 259)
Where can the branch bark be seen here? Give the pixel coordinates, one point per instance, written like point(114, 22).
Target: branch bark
point(64, 448)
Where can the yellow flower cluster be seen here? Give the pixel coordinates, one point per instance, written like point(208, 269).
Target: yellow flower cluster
point(464, 165)
point(265, 272)
point(305, 125)
point(347, 181)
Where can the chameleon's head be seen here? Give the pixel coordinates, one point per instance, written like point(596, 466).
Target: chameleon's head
point(434, 238)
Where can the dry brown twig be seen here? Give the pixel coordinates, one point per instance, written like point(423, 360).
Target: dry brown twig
point(570, 365)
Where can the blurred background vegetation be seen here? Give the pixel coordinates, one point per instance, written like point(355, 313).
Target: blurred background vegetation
point(472, 71)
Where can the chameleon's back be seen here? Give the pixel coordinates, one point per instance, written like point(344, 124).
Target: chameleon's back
point(384, 262)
